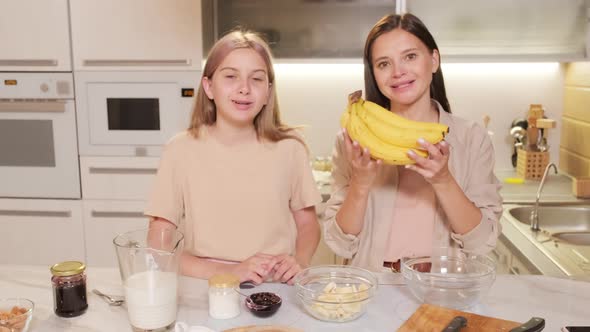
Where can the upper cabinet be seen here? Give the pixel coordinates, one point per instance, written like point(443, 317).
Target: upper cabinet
point(136, 34)
point(299, 28)
point(35, 35)
point(523, 30)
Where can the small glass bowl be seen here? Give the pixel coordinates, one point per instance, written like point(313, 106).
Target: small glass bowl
point(16, 314)
point(263, 304)
point(335, 293)
point(456, 282)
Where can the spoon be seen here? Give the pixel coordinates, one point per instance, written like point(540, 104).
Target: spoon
point(108, 299)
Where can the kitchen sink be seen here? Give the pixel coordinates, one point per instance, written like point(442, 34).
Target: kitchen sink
point(557, 219)
point(577, 238)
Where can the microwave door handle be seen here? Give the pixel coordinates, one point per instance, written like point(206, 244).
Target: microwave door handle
point(122, 170)
point(136, 63)
point(117, 214)
point(28, 62)
point(35, 213)
point(32, 106)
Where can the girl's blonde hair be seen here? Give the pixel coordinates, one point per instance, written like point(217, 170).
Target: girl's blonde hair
point(267, 123)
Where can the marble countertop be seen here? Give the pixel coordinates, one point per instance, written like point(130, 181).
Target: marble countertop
point(557, 189)
point(560, 301)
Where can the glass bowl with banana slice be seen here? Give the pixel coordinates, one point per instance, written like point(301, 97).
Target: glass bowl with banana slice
point(335, 293)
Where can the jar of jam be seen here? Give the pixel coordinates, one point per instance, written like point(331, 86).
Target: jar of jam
point(69, 288)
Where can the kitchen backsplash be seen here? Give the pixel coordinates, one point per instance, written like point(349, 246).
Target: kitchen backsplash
point(574, 153)
point(315, 95)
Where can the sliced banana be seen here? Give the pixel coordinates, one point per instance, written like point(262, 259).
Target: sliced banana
point(341, 309)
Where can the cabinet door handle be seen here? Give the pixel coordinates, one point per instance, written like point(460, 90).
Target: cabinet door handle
point(39, 213)
point(515, 270)
point(32, 106)
point(495, 252)
point(117, 214)
point(136, 63)
point(122, 170)
point(28, 62)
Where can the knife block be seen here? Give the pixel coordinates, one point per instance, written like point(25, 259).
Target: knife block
point(531, 164)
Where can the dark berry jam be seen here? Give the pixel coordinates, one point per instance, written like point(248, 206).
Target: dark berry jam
point(69, 289)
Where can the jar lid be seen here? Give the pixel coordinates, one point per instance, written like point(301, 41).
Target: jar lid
point(68, 268)
point(224, 281)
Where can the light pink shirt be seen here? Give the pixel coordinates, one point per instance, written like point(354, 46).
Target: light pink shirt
point(414, 211)
point(471, 163)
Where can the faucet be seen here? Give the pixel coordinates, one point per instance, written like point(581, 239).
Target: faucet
point(535, 212)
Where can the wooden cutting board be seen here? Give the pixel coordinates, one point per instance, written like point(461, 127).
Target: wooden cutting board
point(432, 318)
point(263, 328)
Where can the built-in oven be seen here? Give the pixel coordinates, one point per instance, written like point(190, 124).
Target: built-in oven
point(38, 144)
point(132, 113)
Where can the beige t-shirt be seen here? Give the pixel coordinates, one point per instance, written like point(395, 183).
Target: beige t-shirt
point(232, 202)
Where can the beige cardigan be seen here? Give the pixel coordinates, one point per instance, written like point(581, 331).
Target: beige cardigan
point(471, 163)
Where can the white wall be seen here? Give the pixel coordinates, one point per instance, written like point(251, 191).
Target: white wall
point(315, 95)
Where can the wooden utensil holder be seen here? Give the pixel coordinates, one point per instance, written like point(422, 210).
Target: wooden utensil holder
point(581, 187)
point(531, 164)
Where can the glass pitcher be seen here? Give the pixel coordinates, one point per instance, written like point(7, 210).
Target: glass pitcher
point(149, 262)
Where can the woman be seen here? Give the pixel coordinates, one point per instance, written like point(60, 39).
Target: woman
point(447, 201)
point(238, 182)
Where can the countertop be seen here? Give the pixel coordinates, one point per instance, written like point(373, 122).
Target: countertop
point(560, 301)
point(557, 189)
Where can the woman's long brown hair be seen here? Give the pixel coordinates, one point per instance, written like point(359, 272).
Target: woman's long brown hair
point(413, 25)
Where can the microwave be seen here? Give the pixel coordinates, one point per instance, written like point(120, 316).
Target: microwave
point(132, 113)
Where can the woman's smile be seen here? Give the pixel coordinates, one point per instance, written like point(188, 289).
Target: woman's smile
point(404, 85)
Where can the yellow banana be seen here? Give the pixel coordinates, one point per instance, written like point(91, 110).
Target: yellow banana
point(398, 130)
point(398, 121)
point(379, 149)
point(386, 135)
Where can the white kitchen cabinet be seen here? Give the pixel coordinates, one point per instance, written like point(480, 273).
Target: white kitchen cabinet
point(136, 34)
point(529, 30)
point(35, 35)
point(117, 178)
point(39, 231)
point(103, 220)
point(299, 29)
point(502, 255)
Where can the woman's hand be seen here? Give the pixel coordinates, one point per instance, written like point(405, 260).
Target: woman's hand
point(364, 169)
point(434, 168)
point(286, 268)
point(256, 268)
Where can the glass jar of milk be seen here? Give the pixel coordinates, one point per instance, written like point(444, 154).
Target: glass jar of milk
point(224, 300)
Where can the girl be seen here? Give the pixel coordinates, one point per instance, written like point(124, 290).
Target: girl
point(378, 213)
point(238, 183)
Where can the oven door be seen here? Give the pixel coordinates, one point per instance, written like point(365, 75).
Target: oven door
point(132, 114)
point(38, 151)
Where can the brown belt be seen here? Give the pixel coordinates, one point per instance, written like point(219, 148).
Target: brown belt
point(395, 266)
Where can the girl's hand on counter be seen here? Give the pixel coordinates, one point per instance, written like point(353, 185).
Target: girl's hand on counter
point(286, 268)
point(256, 268)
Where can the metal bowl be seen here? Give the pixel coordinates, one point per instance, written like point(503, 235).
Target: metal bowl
point(452, 281)
point(335, 293)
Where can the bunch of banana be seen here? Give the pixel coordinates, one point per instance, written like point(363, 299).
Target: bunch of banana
point(388, 136)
